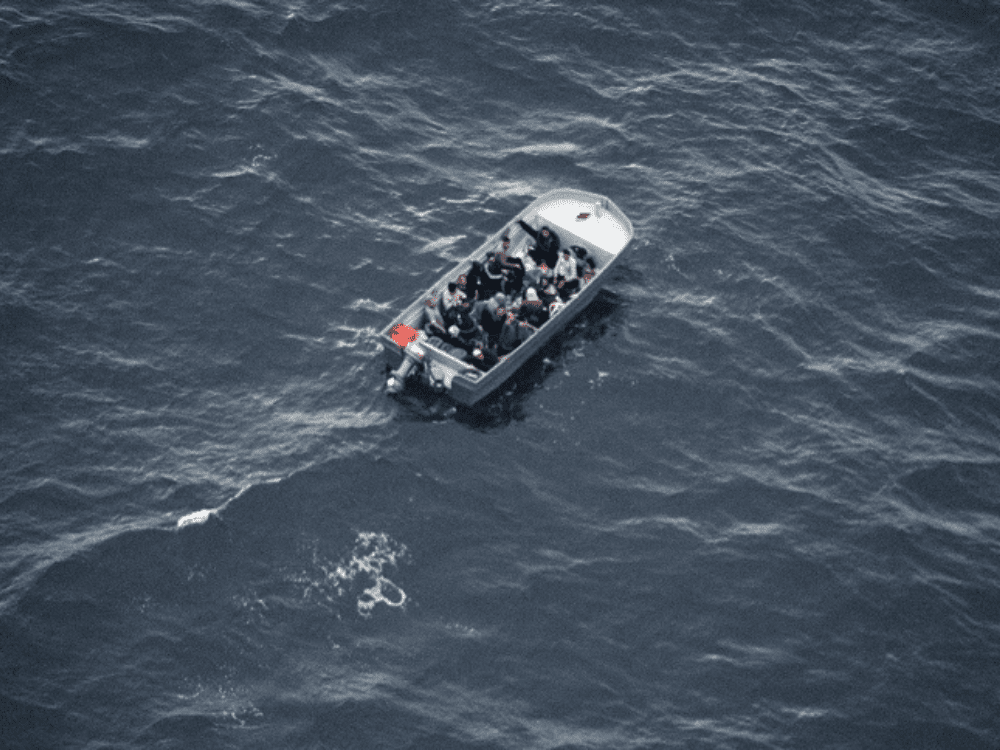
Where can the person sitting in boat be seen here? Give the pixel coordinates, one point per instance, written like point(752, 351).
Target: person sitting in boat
point(532, 310)
point(451, 298)
point(546, 248)
point(483, 356)
point(463, 333)
point(471, 283)
point(491, 316)
point(565, 274)
point(492, 274)
point(431, 319)
point(547, 292)
point(512, 333)
point(512, 268)
point(540, 273)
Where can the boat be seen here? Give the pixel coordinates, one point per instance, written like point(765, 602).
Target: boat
point(589, 223)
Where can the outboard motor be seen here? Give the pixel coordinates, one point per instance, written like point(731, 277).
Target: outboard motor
point(413, 359)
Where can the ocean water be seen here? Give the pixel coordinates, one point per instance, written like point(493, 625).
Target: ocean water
point(749, 499)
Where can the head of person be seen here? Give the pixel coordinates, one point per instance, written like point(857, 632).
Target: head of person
point(506, 242)
point(545, 231)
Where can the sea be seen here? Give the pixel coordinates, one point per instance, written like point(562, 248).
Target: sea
point(748, 499)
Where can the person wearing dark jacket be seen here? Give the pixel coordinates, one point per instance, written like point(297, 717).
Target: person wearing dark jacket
point(513, 270)
point(464, 332)
point(546, 245)
point(472, 285)
point(492, 278)
point(547, 292)
point(484, 356)
point(533, 310)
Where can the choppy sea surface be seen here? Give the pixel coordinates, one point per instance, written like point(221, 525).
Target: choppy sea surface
point(749, 499)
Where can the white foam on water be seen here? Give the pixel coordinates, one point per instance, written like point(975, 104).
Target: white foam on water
point(372, 552)
point(196, 518)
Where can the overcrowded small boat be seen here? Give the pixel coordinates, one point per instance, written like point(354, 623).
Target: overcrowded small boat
point(475, 327)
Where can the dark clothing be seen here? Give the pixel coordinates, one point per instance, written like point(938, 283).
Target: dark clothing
point(513, 274)
point(536, 255)
point(492, 278)
point(546, 245)
point(486, 359)
point(511, 263)
point(455, 314)
point(491, 320)
point(450, 316)
point(511, 335)
point(534, 312)
point(467, 328)
point(547, 294)
point(568, 288)
point(474, 282)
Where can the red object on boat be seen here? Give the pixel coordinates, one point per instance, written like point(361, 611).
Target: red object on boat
point(402, 334)
point(581, 217)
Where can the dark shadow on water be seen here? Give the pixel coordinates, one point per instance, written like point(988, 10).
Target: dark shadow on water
point(509, 402)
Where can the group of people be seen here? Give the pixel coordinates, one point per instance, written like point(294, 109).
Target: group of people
point(490, 310)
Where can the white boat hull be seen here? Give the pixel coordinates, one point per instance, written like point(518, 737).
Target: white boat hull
point(588, 220)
